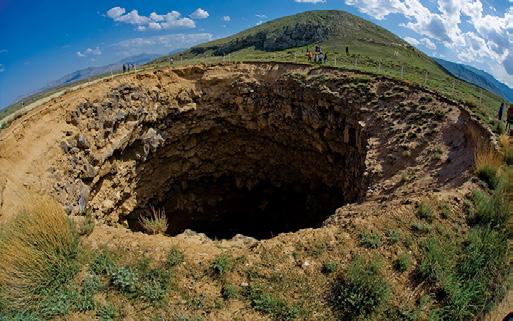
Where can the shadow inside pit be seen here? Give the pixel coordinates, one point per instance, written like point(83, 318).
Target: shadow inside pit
point(223, 209)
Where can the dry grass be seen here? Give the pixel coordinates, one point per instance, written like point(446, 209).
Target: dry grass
point(156, 223)
point(507, 149)
point(38, 251)
point(488, 163)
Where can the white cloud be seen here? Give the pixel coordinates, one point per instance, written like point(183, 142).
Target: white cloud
point(90, 52)
point(412, 41)
point(460, 25)
point(154, 21)
point(428, 43)
point(261, 16)
point(259, 23)
point(199, 14)
point(227, 18)
point(161, 44)
point(310, 1)
point(2, 68)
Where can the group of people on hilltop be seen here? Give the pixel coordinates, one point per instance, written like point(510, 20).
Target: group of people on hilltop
point(128, 67)
point(318, 56)
point(509, 117)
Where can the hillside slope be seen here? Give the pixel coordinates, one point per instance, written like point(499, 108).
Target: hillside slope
point(478, 78)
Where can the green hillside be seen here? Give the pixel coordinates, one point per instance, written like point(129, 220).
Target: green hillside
point(371, 49)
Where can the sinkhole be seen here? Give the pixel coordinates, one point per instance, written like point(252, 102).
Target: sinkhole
point(264, 164)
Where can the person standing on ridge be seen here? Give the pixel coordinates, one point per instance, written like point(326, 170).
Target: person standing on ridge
point(509, 120)
point(501, 111)
point(124, 68)
point(325, 58)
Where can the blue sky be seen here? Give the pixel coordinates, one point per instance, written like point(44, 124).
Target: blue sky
point(41, 41)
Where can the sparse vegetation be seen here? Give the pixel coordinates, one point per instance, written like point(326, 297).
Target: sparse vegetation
point(329, 267)
point(403, 262)
point(221, 265)
point(156, 222)
point(425, 211)
point(361, 291)
point(488, 163)
point(370, 240)
point(267, 303)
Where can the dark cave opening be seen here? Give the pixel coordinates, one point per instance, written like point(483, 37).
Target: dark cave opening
point(224, 209)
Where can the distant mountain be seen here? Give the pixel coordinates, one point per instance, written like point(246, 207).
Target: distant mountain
point(477, 77)
point(95, 71)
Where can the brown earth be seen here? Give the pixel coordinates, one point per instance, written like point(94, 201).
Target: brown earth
point(363, 150)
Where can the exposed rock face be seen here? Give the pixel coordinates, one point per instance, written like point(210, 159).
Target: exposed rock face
point(254, 146)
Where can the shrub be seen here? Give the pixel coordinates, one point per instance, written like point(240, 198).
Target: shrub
point(124, 279)
point(403, 262)
point(103, 263)
point(361, 291)
point(221, 265)
point(154, 282)
point(446, 211)
point(329, 267)
point(370, 240)
point(38, 257)
point(425, 211)
point(156, 223)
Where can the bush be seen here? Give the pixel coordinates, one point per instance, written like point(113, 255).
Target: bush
point(156, 223)
point(221, 265)
point(370, 240)
point(437, 261)
point(421, 228)
point(106, 312)
point(38, 258)
point(154, 282)
point(361, 291)
point(87, 226)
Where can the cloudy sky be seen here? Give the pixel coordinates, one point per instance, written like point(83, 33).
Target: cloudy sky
point(41, 41)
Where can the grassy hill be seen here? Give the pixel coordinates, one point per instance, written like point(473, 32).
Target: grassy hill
point(371, 49)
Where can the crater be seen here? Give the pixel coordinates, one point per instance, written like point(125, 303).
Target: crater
point(256, 150)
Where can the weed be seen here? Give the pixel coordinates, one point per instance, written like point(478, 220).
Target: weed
point(361, 291)
point(370, 240)
point(154, 282)
point(329, 267)
point(124, 279)
point(106, 312)
point(446, 211)
point(156, 223)
point(175, 257)
point(437, 261)
point(38, 258)
point(425, 211)
point(421, 228)
point(394, 236)
point(103, 263)
point(491, 210)
point(270, 304)
point(403, 262)
point(229, 291)
point(221, 265)
point(87, 226)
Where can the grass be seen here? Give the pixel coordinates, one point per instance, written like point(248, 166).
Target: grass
point(361, 291)
point(329, 267)
point(487, 164)
point(39, 252)
point(370, 240)
point(155, 223)
point(268, 303)
point(403, 262)
point(425, 211)
point(221, 265)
